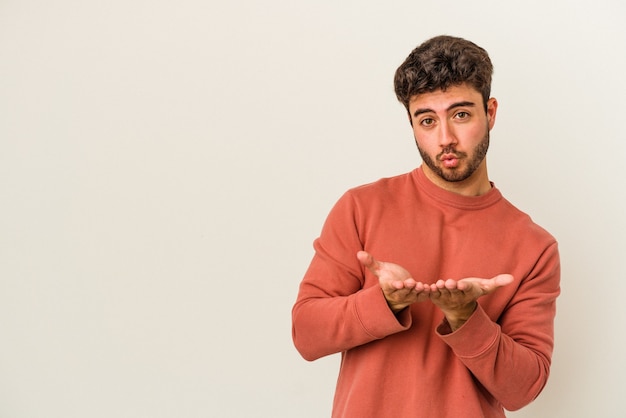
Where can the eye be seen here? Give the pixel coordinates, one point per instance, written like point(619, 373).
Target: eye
point(427, 121)
point(462, 115)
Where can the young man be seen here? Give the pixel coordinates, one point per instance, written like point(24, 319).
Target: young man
point(458, 319)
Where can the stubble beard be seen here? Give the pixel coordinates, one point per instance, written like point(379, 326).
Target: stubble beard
point(456, 175)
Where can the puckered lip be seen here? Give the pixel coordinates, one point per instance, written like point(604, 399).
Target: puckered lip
point(450, 156)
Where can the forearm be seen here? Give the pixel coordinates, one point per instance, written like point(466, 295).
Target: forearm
point(512, 372)
point(327, 325)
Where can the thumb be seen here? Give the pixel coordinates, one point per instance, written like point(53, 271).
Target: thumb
point(503, 280)
point(366, 259)
point(369, 262)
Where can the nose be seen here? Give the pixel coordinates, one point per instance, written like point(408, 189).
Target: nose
point(447, 135)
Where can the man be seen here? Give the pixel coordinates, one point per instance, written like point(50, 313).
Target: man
point(458, 319)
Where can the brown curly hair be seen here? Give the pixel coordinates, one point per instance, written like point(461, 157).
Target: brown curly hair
point(441, 62)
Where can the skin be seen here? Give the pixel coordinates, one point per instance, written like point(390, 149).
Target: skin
point(451, 130)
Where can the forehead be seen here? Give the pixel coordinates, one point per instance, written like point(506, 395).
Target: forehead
point(441, 100)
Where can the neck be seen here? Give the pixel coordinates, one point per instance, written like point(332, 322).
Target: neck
point(475, 185)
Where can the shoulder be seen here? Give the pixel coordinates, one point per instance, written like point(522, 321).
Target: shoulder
point(385, 185)
point(524, 223)
point(375, 198)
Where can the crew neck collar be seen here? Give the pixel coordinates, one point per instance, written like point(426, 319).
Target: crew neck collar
point(453, 199)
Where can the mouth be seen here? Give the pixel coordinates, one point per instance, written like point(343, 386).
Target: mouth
point(449, 160)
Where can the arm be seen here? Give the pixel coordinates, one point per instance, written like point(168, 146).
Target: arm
point(341, 303)
point(511, 355)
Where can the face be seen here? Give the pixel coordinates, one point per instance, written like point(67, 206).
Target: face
point(451, 130)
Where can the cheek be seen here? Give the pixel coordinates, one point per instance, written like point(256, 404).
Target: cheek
point(476, 133)
point(423, 138)
point(426, 147)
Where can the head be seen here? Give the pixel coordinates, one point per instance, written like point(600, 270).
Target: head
point(441, 62)
point(445, 85)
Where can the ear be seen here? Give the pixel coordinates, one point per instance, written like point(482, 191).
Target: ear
point(492, 108)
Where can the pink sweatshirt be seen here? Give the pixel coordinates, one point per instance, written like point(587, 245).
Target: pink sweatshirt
point(412, 365)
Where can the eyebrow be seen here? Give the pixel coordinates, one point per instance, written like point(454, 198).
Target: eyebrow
point(452, 106)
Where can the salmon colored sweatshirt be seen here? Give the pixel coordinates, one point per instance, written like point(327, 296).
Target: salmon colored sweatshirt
point(411, 364)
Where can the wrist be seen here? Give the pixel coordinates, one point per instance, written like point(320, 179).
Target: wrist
point(458, 317)
point(396, 308)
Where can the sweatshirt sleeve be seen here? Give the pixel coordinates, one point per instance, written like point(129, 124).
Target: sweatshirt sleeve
point(337, 308)
point(511, 355)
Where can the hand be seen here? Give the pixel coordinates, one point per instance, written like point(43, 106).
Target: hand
point(457, 299)
point(399, 288)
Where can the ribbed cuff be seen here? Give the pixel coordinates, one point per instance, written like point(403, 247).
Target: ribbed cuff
point(474, 337)
point(377, 318)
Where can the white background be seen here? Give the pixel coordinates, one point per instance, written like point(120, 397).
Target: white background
point(166, 165)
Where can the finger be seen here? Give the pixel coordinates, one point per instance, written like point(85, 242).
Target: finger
point(410, 283)
point(463, 285)
point(450, 284)
point(440, 284)
point(486, 286)
point(433, 290)
point(367, 260)
point(390, 286)
point(503, 280)
point(421, 288)
point(446, 293)
point(398, 284)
